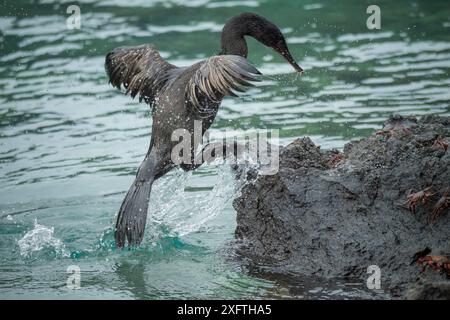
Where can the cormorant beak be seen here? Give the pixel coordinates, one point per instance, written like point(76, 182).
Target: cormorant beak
point(287, 55)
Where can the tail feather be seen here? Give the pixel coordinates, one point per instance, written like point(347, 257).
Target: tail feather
point(133, 214)
point(130, 224)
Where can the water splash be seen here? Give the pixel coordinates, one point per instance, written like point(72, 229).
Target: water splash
point(169, 212)
point(41, 238)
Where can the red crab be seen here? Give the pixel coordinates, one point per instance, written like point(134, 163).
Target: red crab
point(441, 143)
point(442, 204)
point(438, 263)
point(335, 159)
point(413, 199)
point(394, 131)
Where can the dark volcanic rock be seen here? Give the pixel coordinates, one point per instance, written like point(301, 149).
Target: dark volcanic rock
point(332, 215)
point(429, 291)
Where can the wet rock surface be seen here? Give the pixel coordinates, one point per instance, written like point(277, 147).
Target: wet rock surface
point(429, 291)
point(332, 214)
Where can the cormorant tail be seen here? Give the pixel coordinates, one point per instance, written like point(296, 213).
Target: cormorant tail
point(132, 215)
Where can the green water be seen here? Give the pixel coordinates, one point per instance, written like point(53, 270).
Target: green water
point(70, 144)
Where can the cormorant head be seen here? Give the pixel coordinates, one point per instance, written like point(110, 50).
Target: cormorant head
point(278, 43)
point(251, 24)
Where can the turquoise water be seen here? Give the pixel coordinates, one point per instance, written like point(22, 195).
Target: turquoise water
point(70, 144)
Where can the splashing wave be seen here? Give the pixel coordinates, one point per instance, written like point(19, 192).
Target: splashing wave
point(40, 238)
point(169, 198)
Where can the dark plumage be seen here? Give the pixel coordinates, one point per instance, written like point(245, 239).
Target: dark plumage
point(179, 96)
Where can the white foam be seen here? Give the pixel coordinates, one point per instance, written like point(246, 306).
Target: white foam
point(169, 198)
point(38, 238)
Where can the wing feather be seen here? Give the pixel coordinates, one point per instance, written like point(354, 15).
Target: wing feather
point(220, 76)
point(141, 70)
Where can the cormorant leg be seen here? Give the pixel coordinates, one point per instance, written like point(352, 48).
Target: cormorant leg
point(208, 154)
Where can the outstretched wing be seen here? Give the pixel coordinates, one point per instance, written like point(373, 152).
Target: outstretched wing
point(217, 77)
point(141, 70)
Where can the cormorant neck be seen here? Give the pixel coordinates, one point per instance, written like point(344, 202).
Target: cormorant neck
point(233, 41)
point(264, 31)
point(248, 24)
